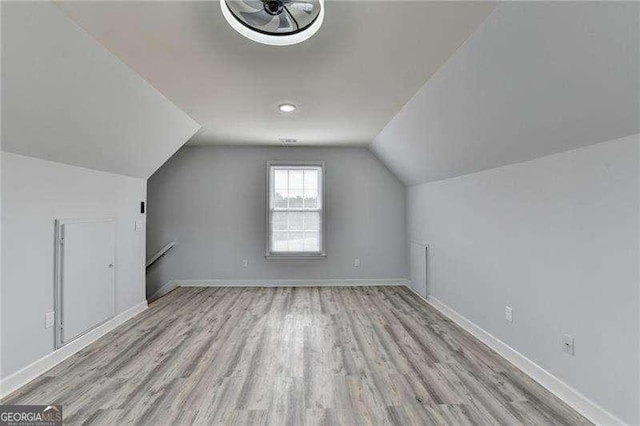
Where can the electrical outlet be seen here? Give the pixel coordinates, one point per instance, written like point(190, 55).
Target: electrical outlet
point(245, 263)
point(139, 226)
point(568, 344)
point(508, 313)
point(356, 263)
point(49, 319)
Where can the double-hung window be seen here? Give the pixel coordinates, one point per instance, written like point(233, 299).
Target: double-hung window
point(295, 210)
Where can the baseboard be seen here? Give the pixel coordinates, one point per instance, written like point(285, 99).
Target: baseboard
point(168, 287)
point(569, 395)
point(292, 283)
point(21, 377)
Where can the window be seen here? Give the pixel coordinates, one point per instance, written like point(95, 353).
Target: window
point(295, 210)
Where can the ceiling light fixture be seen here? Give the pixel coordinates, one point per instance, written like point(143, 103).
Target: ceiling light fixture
point(274, 22)
point(287, 107)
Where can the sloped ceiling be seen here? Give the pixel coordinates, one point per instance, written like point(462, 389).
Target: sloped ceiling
point(66, 98)
point(536, 78)
point(348, 80)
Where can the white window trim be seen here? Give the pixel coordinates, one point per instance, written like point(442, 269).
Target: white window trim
point(323, 213)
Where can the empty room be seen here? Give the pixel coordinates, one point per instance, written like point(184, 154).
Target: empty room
point(320, 212)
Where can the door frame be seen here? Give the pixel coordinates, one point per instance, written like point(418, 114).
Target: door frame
point(58, 308)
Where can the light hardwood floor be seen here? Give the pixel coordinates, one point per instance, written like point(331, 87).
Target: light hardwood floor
point(331, 355)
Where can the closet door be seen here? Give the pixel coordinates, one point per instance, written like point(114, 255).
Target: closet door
point(86, 276)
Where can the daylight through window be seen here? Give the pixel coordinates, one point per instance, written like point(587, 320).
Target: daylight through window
point(295, 210)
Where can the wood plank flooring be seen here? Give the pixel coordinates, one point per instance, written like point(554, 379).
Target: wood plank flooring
point(330, 355)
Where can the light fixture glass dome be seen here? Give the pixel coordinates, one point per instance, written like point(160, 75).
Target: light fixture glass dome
point(274, 22)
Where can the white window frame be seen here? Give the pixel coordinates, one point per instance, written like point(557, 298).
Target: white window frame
point(321, 254)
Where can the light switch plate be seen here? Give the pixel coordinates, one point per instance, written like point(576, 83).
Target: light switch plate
point(139, 226)
point(356, 263)
point(49, 319)
point(245, 263)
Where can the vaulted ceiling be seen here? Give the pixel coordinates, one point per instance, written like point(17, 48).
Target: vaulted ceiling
point(65, 98)
point(441, 88)
point(535, 79)
point(348, 80)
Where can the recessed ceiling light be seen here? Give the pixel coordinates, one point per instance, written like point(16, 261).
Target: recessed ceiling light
point(286, 107)
point(274, 22)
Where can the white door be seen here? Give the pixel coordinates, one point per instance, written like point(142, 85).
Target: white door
point(418, 268)
point(87, 276)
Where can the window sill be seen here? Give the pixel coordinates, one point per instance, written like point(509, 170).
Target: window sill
point(297, 256)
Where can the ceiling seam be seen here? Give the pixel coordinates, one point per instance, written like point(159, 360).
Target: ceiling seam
point(438, 70)
point(70, 18)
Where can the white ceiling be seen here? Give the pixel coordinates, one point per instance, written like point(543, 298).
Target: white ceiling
point(348, 81)
point(535, 79)
point(66, 98)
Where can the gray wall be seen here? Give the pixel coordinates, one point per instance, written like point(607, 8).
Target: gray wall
point(557, 239)
point(535, 79)
point(34, 193)
point(211, 200)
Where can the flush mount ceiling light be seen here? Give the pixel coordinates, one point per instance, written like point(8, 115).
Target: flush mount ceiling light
point(274, 22)
point(286, 107)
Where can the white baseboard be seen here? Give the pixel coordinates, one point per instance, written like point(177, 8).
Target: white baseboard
point(168, 287)
point(35, 369)
point(292, 283)
point(569, 395)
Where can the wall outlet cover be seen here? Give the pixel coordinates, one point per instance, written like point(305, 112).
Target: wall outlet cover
point(139, 226)
point(245, 263)
point(356, 263)
point(568, 344)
